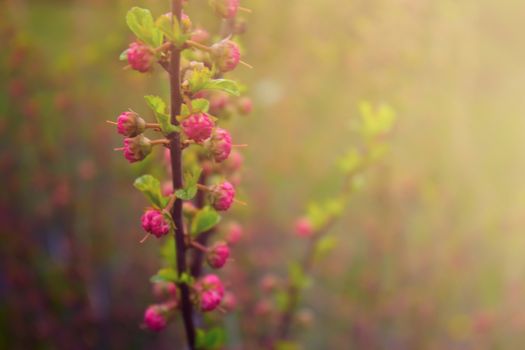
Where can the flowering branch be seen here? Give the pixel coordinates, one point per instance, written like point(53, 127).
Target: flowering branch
point(176, 170)
point(374, 125)
point(196, 149)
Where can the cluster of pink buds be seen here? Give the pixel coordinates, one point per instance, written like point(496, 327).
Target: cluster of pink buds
point(140, 57)
point(129, 124)
point(226, 55)
point(136, 145)
point(153, 222)
point(198, 127)
point(220, 144)
point(222, 196)
point(136, 148)
point(200, 155)
point(209, 292)
point(218, 254)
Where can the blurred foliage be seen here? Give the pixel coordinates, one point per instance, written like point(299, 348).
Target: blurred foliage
point(429, 255)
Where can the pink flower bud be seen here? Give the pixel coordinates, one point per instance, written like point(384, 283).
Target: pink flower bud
point(225, 8)
point(136, 148)
point(167, 188)
point(153, 222)
point(200, 35)
point(218, 255)
point(226, 55)
point(140, 57)
point(303, 227)
point(222, 196)
point(218, 101)
point(165, 290)
point(269, 283)
point(229, 302)
point(234, 162)
point(155, 317)
point(245, 105)
point(210, 291)
point(234, 233)
point(220, 144)
point(198, 126)
point(210, 300)
point(129, 124)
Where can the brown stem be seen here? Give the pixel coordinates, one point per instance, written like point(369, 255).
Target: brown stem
point(176, 167)
point(198, 256)
point(160, 142)
point(152, 126)
point(198, 45)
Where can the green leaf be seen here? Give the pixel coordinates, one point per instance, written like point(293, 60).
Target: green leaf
point(191, 178)
point(199, 78)
point(281, 299)
point(172, 32)
point(166, 274)
point(140, 21)
point(200, 105)
point(324, 246)
point(186, 278)
point(351, 161)
point(376, 122)
point(158, 106)
point(124, 55)
point(150, 186)
point(297, 276)
point(168, 252)
point(228, 86)
point(212, 339)
point(204, 220)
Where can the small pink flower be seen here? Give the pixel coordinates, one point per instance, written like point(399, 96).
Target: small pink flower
point(155, 318)
point(129, 124)
point(210, 292)
point(303, 227)
point(245, 105)
point(153, 222)
point(140, 57)
point(220, 144)
point(222, 196)
point(234, 162)
point(200, 35)
point(218, 102)
point(213, 282)
point(136, 148)
point(210, 300)
point(269, 283)
point(229, 302)
point(218, 255)
point(226, 55)
point(165, 290)
point(198, 126)
point(234, 233)
point(167, 188)
point(225, 8)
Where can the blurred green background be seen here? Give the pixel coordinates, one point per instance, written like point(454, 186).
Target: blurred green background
point(430, 254)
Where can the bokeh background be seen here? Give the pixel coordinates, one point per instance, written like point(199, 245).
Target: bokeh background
point(430, 254)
